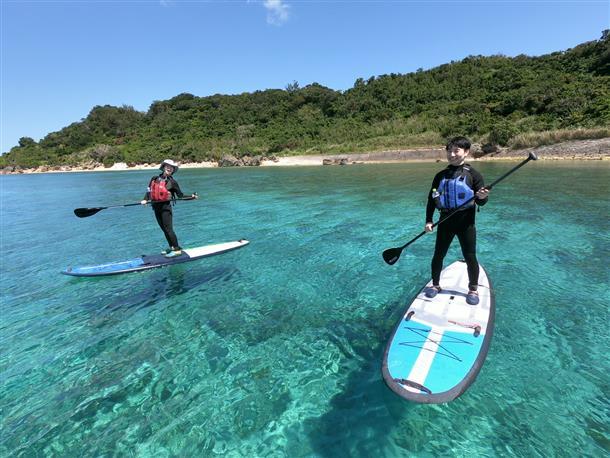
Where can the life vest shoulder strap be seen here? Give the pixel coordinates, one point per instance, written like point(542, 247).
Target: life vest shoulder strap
point(465, 171)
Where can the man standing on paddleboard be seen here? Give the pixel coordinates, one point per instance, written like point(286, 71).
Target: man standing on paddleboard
point(162, 190)
point(451, 189)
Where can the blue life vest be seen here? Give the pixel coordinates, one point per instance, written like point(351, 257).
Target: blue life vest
point(455, 192)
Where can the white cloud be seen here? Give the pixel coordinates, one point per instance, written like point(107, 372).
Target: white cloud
point(277, 12)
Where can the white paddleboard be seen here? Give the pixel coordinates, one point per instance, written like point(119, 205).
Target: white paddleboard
point(438, 347)
point(146, 262)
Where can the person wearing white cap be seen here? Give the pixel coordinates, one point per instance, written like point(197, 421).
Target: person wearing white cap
point(162, 190)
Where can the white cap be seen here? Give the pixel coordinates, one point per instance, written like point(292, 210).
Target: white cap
point(169, 162)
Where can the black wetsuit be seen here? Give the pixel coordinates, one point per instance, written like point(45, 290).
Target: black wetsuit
point(460, 224)
point(163, 210)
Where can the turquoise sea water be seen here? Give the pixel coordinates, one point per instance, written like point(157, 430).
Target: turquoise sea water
point(275, 349)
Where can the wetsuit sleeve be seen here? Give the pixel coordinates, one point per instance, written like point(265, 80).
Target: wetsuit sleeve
point(147, 195)
point(478, 183)
point(175, 189)
point(430, 207)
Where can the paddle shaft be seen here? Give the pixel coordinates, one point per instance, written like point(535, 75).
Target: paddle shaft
point(117, 206)
point(85, 212)
point(515, 168)
point(150, 202)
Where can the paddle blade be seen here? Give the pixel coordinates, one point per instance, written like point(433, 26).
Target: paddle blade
point(84, 212)
point(391, 255)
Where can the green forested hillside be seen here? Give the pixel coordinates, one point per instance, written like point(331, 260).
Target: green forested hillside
point(491, 99)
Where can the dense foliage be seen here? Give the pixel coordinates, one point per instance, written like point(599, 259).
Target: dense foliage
point(491, 99)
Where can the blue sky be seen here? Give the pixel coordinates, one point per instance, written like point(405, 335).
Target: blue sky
point(60, 59)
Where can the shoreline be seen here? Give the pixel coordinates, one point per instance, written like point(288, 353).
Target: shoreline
point(576, 150)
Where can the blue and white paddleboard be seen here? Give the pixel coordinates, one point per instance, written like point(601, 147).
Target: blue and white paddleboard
point(437, 349)
point(153, 261)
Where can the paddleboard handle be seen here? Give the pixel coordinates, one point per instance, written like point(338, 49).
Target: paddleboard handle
point(404, 381)
point(475, 327)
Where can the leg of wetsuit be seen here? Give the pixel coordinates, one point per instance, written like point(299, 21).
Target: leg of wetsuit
point(163, 214)
point(468, 242)
point(444, 237)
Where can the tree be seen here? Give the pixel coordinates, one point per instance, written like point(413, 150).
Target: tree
point(292, 87)
point(26, 142)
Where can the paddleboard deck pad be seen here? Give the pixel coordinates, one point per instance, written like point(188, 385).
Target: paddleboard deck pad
point(146, 262)
point(438, 348)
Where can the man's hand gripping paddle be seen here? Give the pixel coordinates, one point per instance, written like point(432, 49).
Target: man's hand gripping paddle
point(391, 255)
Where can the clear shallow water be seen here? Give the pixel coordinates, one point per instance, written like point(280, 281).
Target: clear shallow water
point(275, 349)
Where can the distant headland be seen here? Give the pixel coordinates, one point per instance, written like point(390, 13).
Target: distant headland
point(597, 149)
point(503, 104)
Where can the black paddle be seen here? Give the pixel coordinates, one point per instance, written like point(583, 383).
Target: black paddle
point(391, 255)
point(85, 212)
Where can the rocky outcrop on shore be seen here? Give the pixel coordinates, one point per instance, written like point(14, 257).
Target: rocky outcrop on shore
point(386, 156)
point(598, 149)
point(46, 169)
point(228, 160)
point(339, 161)
point(95, 167)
